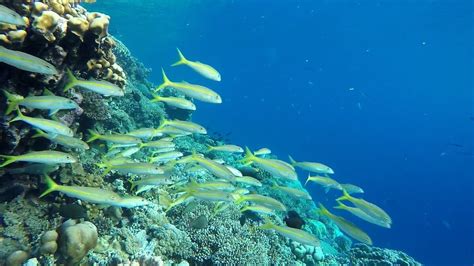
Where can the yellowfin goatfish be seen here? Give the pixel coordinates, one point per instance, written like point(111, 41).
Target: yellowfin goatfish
point(51, 103)
point(44, 157)
point(361, 214)
point(173, 132)
point(94, 195)
point(261, 200)
point(158, 144)
point(152, 181)
point(234, 171)
point(114, 138)
point(49, 126)
point(128, 152)
point(203, 69)
point(211, 185)
point(324, 181)
point(262, 151)
point(63, 140)
point(10, 17)
point(352, 189)
point(176, 102)
point(210, 195)
point(346, 226)
point(214, 168)
point(275, 167)
point(165, 157)
point(98, 86)
point(247, 180)
point(258, 209)
point(184, 125)
point(26, 62)
point(132, 168)
point(225, 148)
point(312, 167)
point(145, 133)
point(295, 234)
point(194, 91)
point(371, 209)
point(33, 169)
point(292, 191)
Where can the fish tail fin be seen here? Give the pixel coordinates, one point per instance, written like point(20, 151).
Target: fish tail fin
point(39, 134)
point(209, 148)
point(340, 205)
point(13, 100)
point(166, 81)
point(292, 161)
point(345, 196)
point(72, 80)
point(248, 157)
point(94, 135)
point(323, 209)
point(9, 159)
point(163, 122)
point(307, 179)
point(133, 184)
point(156, 98)
point(182, 60)
point(267, 224)
point(50, 186)
point(19, 117)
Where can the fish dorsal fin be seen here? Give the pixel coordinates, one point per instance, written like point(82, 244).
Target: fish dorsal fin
point(47, 92)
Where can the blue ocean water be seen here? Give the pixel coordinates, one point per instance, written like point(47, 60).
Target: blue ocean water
point(382, 91)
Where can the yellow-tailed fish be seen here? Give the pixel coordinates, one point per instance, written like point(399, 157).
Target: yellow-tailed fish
point(47, 125)
point(262, 200)
point(145, 133)
point(132, 168)
point(258, 209)
point(219, 160)
point(114, 138)
point(128, 152)
point(131, 202)
point(352, 189)
point(201, 68)
point(98, 86)
point(292, 191)
point(361, 214)
point(211, 185)
point(324, 181)
point(211, 195)
point(194, 91)
point(152, 181)
point(62, 140)
point(262, 151)
point(184, 125)
point(295, 234)
point(119, 160)
point(162, 150)
point(234, 171)
point(226, 148)
point(371, 209)
point(275, 167)
point(240, 191)
point(93, 195)
point(26, 62)
point(216, 169)
point(158, 144)
point(247, 180)
point(166, 157)
point(346, 226)
point(312, 167)
point(48, 102)
point(9, 16)
point(33, 169)
point(175, 102)
point(173, 132)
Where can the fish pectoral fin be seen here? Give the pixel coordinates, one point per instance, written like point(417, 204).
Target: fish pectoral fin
point(53, 111)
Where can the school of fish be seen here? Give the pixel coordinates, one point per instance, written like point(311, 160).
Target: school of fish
point(229, 185)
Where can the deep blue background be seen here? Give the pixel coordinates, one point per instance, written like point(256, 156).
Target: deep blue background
point(379, 91)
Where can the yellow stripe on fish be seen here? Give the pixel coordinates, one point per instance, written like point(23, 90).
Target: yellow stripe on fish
point(26, 62)
point(201, 68)
point(98, 86)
